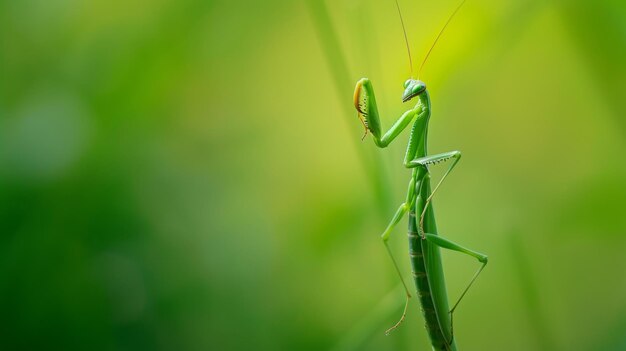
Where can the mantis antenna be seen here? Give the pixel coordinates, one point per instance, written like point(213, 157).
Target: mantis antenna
point(406, 39)
point(438, 35)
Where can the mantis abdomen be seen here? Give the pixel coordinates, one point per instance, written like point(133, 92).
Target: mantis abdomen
point(425, 257)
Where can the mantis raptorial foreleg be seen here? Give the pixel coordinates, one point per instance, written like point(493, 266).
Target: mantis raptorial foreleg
point(365, 103)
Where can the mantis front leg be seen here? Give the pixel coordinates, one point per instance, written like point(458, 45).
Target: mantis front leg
point(365, 104)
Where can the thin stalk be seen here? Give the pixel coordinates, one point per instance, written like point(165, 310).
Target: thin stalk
point(374, 322)
point(530, 294)
point(344, 84)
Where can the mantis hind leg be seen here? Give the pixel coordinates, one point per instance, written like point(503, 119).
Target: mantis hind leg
point(400, 212)
point(450, 245)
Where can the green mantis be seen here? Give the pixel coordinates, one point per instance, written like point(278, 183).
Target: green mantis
point(424, 241)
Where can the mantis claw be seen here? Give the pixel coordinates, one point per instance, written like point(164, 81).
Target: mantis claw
point(359, 108)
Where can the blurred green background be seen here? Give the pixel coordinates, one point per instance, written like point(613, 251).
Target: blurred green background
point(189, 175)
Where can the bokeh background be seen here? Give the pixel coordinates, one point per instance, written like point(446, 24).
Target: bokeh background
point(189, 175)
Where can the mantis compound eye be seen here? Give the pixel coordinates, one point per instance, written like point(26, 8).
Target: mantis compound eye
point(418, 87)
point(406, 84)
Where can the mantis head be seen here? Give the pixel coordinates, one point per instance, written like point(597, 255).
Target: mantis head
point(415, 87)
point(412, 88)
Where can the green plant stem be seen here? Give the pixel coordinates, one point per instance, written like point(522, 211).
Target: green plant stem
point(344, 84)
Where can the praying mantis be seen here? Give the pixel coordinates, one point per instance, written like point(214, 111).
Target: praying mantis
point(424, 241)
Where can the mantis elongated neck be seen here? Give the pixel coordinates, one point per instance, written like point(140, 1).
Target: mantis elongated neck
point(424, 100)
